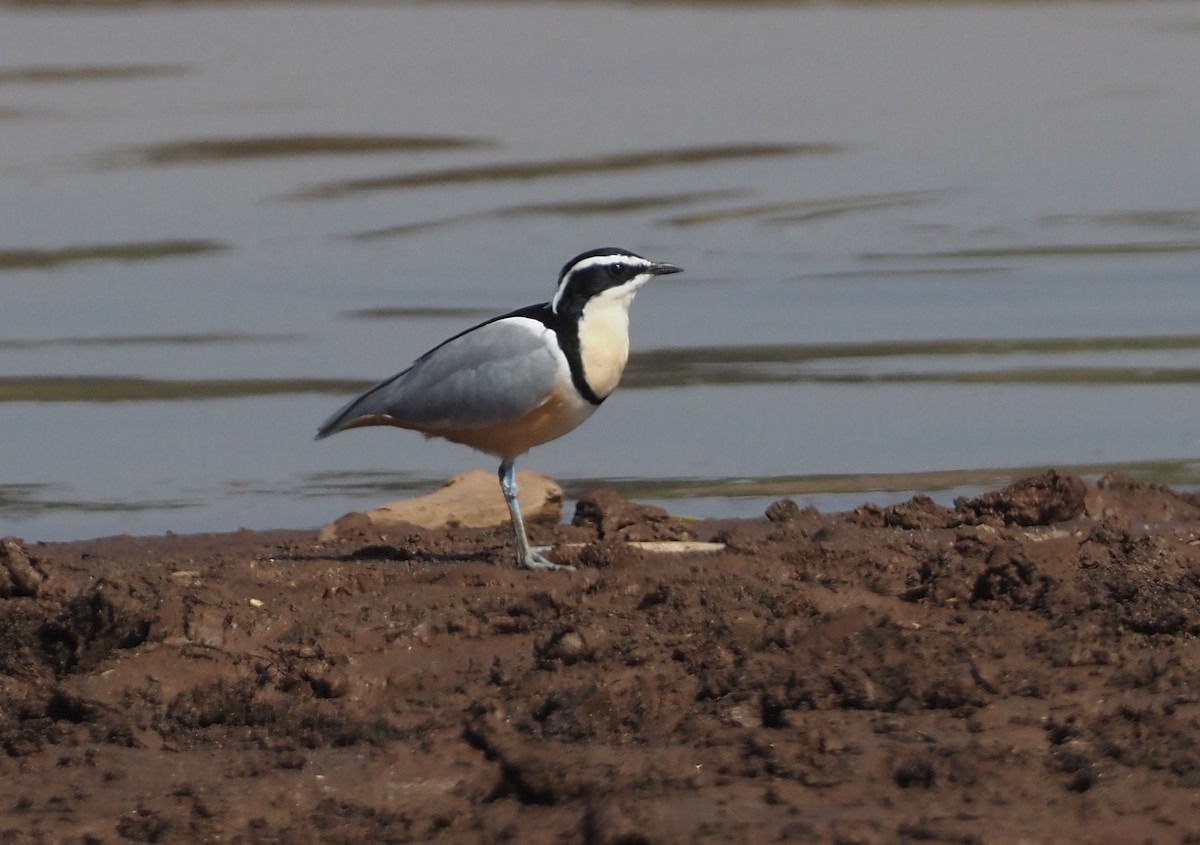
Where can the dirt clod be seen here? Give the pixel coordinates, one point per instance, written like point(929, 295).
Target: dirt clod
point(1039, 500)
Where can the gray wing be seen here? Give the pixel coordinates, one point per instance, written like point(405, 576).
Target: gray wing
point(495, 372)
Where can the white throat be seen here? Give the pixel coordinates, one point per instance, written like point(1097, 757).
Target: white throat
point(604, 339)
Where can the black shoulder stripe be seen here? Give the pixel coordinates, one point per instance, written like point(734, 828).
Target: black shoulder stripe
point(566, 331)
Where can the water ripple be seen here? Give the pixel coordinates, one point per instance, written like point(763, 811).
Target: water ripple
point(572, 208)
point(60, 74)
point(204, 339)
point(792, 363)
point(44, 259)
point(529, 170)
point(1066, 250)
point(221, 150)
point(804, 211)
point(134, 389)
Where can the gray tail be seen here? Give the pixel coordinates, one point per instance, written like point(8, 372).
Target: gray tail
point(366, 409)
point(336, 422)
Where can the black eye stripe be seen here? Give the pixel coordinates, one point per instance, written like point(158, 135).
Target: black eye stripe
point(590, 274)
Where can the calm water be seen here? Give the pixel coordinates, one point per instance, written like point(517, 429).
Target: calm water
point(928, 246)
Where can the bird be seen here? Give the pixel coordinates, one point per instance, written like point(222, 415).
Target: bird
point(521, 379)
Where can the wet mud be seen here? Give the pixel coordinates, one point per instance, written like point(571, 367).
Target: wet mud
point(1023, 666)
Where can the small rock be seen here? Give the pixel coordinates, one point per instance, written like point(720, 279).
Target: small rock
point(914, 772)
point(783, 511)
point(18, 575)
point(567, 646)
point(205, 626)
point(328, 683)
point(422, 633)
point(471, 500)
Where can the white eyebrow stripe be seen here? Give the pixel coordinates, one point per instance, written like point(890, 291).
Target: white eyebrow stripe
point(604, 260)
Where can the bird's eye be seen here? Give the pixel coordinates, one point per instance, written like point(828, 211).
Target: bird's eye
point(616, 270)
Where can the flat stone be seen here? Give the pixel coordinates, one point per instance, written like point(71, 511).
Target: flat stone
point(472, 500)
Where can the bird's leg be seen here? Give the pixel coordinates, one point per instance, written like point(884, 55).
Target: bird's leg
point(527, 557)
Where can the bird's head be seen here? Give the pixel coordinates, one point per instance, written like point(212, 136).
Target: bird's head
point(605, 273)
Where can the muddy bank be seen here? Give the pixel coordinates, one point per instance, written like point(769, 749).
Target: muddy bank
point(1024, 666)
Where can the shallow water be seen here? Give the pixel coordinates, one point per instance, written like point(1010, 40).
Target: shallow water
point(927, 247)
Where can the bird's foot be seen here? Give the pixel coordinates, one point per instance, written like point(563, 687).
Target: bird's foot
point(535, 560)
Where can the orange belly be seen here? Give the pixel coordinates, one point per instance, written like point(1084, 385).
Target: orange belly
point(560, 413)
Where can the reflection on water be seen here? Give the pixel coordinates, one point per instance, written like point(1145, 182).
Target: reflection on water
point(55, 74)
point(419, 313)
point(1048, 251)
point(46, 259)
point(558, 168)
point(573, 208)
point(945, 361)
point(22, 114)
point(1183, 220)
point(955, 482)
point(218, 150)
point(27, 501)
point(1042, 361)
point(805, 211)
point(117, 389)
point(212, 338)
point(928, 247)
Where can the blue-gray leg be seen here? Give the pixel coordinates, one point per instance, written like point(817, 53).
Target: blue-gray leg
point(527, 556)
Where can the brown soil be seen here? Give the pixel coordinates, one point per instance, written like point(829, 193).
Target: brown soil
point(1024, 667)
